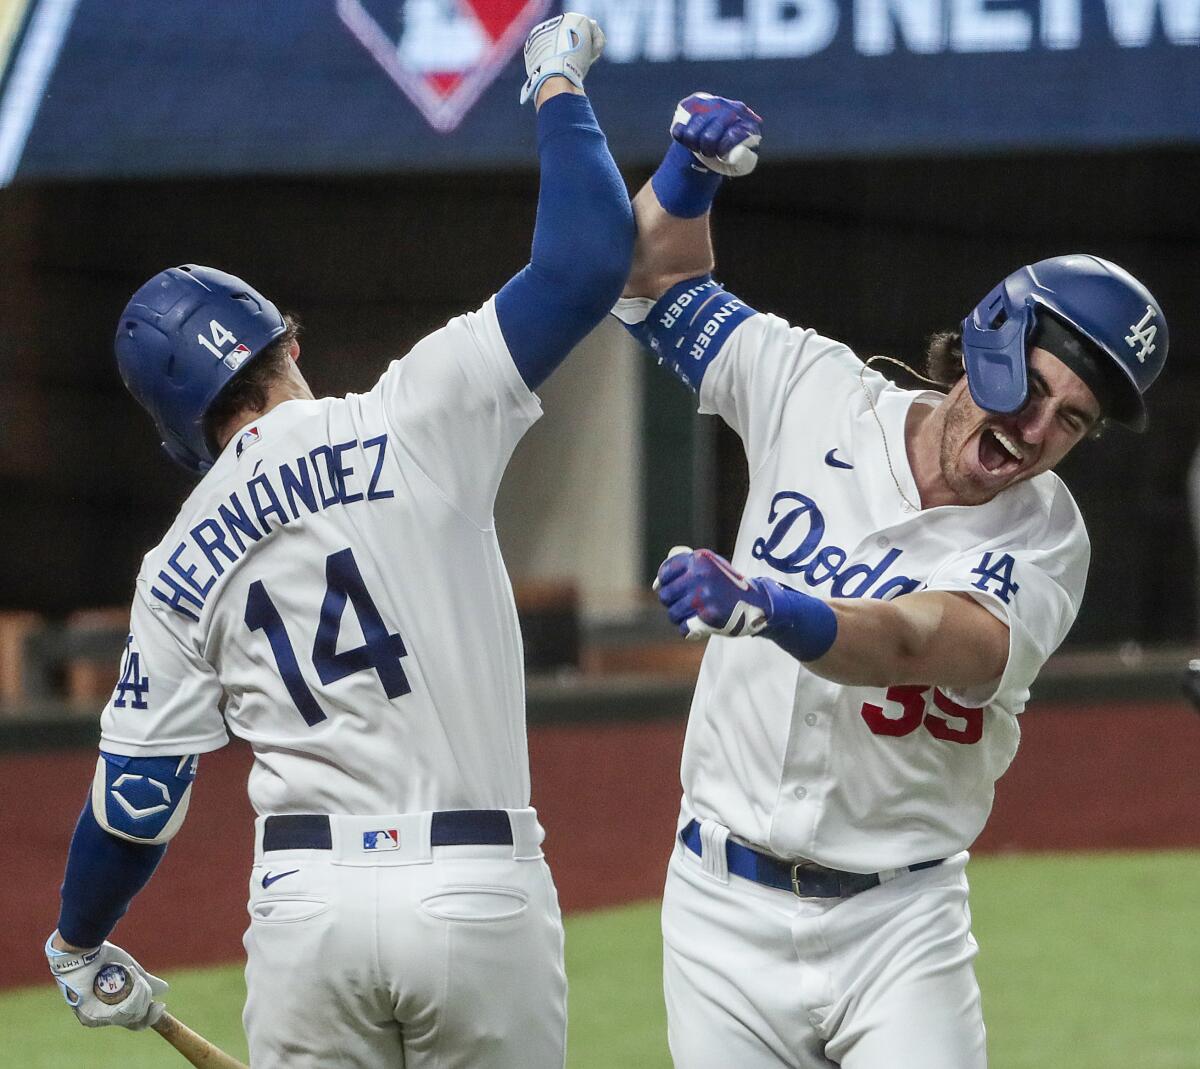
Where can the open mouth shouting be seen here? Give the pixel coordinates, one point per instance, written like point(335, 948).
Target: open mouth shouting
point(999, 454)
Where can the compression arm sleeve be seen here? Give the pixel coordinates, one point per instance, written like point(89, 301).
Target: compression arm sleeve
point(136, 805)
point(103, 875)
point(582, 243)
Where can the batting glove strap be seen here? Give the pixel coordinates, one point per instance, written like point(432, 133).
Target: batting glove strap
point(65, 961)
point(804, 626)
point(565, 45)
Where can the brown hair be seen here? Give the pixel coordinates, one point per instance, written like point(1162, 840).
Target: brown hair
point(944, 357)
point(247, 391)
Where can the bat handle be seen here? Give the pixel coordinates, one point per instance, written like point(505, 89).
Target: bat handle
point(166, 1024)
point(194, 1047)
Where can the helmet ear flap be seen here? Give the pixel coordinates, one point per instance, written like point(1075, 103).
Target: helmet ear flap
point(995, 312)
point(993, 342)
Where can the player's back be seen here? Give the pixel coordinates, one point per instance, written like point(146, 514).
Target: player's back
point(335, 580)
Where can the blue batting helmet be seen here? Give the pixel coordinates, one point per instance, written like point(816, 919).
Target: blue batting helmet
point(1100, 301)
point(182, 337)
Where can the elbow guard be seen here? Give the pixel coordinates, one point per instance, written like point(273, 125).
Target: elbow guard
point(688, 325)
point(142, 799)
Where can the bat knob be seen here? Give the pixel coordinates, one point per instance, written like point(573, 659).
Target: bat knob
point(113, 984)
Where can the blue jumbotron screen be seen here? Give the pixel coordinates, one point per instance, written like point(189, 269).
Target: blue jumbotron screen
point(131, 88)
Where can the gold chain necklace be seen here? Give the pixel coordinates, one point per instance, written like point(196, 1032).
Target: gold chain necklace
point(887, 453)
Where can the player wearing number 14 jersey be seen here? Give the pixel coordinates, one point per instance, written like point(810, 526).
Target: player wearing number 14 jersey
point(332, 592)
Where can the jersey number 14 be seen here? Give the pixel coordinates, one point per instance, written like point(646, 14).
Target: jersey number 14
point(381, 651)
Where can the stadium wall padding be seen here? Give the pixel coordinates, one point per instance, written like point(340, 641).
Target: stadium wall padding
point(1118, 777)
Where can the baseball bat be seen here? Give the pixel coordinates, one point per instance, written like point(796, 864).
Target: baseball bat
point(193, 1046)
point(114, 983)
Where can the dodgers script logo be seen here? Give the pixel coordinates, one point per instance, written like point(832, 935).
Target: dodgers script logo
point(442, 53)
point(794, 547)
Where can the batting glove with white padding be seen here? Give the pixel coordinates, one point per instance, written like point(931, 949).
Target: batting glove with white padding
point(722, 134)
point(704, 595)
point(565, 45)
point(106, 986)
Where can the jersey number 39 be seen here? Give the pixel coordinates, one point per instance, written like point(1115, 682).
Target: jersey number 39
point(381, 651)
point(950, 722)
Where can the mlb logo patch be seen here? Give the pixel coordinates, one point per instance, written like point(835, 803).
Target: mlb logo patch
point(236, 357)
point(386, 839)
point(442, 54)
point(250, 436)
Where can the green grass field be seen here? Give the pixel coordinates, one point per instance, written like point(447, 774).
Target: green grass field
point(1087, 962)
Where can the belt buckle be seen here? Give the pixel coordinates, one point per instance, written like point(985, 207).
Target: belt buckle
point(803, 866)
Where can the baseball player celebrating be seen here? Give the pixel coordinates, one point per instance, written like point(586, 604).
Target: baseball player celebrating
point(905, 564)
point(333, 592)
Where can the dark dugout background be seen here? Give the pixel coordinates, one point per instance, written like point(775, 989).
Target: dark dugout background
point(901, 180)
point(877, 253)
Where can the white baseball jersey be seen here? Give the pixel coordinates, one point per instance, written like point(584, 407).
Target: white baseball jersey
point(863, 778)
point(332, 591)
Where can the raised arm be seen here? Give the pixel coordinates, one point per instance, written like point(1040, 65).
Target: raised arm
point(712, 138)
point(583, 237)
point(669, 249)
point(671, 303)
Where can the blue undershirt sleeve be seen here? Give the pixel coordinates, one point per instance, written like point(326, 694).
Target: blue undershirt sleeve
point(103, 875)
point(582, 243)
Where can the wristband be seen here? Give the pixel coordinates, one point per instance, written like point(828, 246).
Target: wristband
point(684, 186)
point(799, 624)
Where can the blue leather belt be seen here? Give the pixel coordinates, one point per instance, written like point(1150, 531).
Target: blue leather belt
point(804, 878)
point(451, 827)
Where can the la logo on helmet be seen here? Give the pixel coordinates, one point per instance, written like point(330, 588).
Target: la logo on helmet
point(1142, 333)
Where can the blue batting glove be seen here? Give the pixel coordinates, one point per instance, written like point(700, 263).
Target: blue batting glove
point(704, 595)
point(722, 134)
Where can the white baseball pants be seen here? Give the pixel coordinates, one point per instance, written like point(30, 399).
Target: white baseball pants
point(758, 978)
point(405, 956)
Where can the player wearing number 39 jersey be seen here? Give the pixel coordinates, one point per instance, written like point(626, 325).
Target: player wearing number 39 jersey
point(905, 564)
point(332, 592)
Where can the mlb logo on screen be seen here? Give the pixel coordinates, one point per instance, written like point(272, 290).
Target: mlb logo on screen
point(386, 839)
point(442, 53)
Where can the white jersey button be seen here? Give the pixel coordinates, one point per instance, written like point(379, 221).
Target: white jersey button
point(882, 542)
point(801, 793)
point(810, 719)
